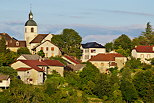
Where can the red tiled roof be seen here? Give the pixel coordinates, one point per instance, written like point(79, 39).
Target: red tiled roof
point(34, 64)
point(105, 57)
point(144, 49)
point(23, 69)
point(72, 59)
point(53, 63)
point(39, 38)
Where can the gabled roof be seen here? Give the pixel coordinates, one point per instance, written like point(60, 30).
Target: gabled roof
point(92, 45)
point(39, 38)
point(144, 49)
point(4, 77)
point(72, 59)
point(53, 63)
point(105, 57)
point(12, 42)
point(30, 57)
point(34, 64)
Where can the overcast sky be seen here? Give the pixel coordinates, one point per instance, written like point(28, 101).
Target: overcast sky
point(94, 20)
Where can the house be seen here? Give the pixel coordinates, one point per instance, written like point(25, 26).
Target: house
point(91, 49)
point(48, 48)
point(54, 65)
point(35, 71)
point(71, 60)
point(4, 81)
point(104, 61)
point(28, 57)
point(31, 71)
point(12, 43)
point(144, 53)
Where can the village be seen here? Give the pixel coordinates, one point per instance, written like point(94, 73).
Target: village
point(42, 55)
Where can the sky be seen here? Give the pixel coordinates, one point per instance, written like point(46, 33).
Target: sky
point(95, 20)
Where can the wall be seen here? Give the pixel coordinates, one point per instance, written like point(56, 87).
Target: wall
point(59, 69)
point(5, 83)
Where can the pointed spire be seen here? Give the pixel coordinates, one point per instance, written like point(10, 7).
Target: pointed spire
point(30, 15)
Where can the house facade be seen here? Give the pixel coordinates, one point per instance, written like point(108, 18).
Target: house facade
point(12, 43)
point(91, 49)
point(4, 81)
point(105, 61)
point(144, 53)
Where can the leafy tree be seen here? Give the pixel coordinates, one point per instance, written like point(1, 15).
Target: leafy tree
point(103, 88)
point(23, 50)
point(69, 42)
point(2, 45)
point(8, 70)
point(127, 87)
point(123, 41)
point(109, 46)
point(144, 84)
point(134, 63)
point(124, 52)
point(90, 72)
point(7, 58)
point(41, 53)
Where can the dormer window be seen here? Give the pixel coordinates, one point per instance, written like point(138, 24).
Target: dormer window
point(32, 30)
point(17, 43)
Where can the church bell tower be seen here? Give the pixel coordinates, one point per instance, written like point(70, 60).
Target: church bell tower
point(30, 31)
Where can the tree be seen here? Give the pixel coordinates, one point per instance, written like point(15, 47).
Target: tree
point(69, 42)
point(134, 63)
point(2, 45)
point(23, 50)
point(144, 84)
point(41, 53)
point(148, 31)
point(109, 46)
point(123, 41)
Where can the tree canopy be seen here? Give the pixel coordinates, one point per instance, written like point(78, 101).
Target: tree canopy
point(23, 50)
point(69, 41)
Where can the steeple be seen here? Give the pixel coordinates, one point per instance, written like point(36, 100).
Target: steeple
point(30, 15)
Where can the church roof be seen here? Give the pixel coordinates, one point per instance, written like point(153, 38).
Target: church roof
point(39, 38)
point(30, 23)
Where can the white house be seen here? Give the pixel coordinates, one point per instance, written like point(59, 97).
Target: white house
point(48, 48)
point(91, 49)
point(105, 61)
point(144, 53)
point(4, 81)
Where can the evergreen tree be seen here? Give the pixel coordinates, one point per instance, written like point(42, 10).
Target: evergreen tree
point(41, 53)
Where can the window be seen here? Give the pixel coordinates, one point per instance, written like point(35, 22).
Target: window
point(30, 79)
point(46, 54)
point(0, 81)
point(52, 48)
point(86, 51)
point(52, 54)
point(93, 51)
point(46, 48)
point(148, 56)
point(17, 43)
point(142, 55)
point(86, 56)
point(41, 48)
point(32, 30)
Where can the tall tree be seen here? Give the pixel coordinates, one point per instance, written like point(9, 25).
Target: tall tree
point(123, 41)
point(69, 41)
point(2, 45)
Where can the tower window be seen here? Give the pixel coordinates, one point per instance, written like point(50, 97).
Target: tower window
point(32, 29)
point(17, 43)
